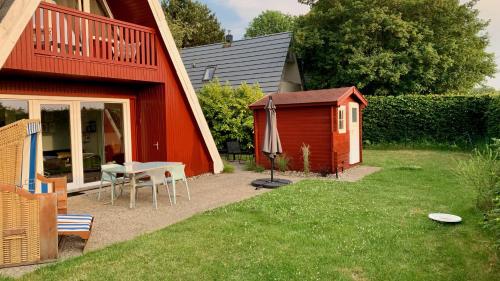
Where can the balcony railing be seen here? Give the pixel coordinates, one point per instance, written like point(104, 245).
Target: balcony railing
point(64, 32)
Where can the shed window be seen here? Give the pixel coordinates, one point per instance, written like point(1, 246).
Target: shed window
point(209, 73)
point(354, 115)
point(341, 119)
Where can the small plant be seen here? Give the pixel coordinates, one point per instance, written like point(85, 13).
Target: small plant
point(324, 171)
point(283, 162)
point(250, 164)
point(259, 168)
point(228, 168)
point(306, 153)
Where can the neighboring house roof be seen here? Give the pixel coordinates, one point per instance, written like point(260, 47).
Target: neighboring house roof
point(21, 11)
point(315, 97)
point(255, 60)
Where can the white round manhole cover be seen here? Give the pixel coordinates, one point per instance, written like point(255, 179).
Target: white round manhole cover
point(440, 217)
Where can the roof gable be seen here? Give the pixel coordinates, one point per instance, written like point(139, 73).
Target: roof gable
point(311, 98)
point(21, 11)
point(255, 60)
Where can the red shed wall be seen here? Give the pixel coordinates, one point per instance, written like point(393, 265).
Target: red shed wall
point(298, 125)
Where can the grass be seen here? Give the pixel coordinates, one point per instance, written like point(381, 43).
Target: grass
point(228, 168)
point(375, 229)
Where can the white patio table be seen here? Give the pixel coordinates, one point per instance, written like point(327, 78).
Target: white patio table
point(132, 169)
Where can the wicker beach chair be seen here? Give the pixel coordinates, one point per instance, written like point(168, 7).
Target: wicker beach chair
point(33, 208)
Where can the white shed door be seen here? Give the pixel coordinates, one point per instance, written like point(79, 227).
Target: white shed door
point(354, 133)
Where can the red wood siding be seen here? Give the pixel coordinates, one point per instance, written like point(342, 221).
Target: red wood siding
point(133, 11)
point(151, 124)
point(61, 88)
point(100, 61)
point(313, 125)
point(184, 140)
point(298, 125)
point(157, 98)
point(341, 142)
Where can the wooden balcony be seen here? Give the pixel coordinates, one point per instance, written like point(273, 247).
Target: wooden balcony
point(64, 41)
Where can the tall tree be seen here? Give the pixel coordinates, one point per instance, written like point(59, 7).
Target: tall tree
point(192, 23)
point(269, 22)
point(394, 46)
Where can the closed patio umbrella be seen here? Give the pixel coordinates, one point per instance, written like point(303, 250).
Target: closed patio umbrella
point(271, 146)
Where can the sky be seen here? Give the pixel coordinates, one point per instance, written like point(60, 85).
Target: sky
point(235, 15)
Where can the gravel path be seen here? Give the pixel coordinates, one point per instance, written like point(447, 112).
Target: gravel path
point(119, 223)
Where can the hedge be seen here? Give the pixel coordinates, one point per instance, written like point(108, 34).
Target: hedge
point(455, 119)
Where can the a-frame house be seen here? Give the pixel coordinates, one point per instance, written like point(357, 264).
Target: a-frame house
point(107, 82)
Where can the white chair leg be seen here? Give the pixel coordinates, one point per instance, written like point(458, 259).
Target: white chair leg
point(168, 191)
point(155, 199)
point(122, 187)
point(99, 193)
point(173, 192)
point(112, 193)
point(187, 188)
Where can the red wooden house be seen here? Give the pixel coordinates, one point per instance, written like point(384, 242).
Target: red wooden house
point(329, 121)
point(107, 82)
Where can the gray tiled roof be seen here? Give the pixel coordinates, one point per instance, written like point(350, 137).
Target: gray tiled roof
point(260, 59)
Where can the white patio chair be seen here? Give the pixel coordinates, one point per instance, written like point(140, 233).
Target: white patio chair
point(177, 173)
point(157, 177)
point(111, 178)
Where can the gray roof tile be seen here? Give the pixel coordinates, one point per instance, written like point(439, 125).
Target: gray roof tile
point(255, 60)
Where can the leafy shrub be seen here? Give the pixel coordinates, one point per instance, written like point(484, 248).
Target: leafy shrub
point(227, 113)
point(492, 219)
point(306, 153)
point(482, 171)
point(459, 119)
point(283, 162)
point(493, 117)
point(228, 168)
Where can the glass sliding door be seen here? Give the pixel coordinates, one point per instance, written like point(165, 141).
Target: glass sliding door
point(103, 138)
point(77, 137)
point(12, 111)
point(56, 140)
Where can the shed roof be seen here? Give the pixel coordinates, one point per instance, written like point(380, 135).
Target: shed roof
point(255, 60)
point(315, 97)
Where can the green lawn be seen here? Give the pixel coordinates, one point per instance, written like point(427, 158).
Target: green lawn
point(376, 229)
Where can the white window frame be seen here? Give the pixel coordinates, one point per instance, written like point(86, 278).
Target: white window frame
point(76, 131)
point(205, 74)
point(341, 111)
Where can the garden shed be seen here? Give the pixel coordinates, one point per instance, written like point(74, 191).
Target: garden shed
point(329, 121)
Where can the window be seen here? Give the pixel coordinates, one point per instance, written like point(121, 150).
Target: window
point(209, 73)
point(354, 113)
point(341, 119)
point(12, 111)
point(102, 137)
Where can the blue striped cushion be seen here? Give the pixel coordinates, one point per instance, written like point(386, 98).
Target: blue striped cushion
point(70, 223)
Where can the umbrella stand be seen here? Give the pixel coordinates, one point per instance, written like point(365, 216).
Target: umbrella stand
point(271, 147)
point(272, 169)
point(270, 182)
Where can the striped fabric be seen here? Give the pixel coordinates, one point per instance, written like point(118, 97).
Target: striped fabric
point(29, 163)
point(73, 223)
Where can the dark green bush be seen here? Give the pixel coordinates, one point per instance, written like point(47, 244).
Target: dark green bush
point(493, 116)
point(458, 119)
